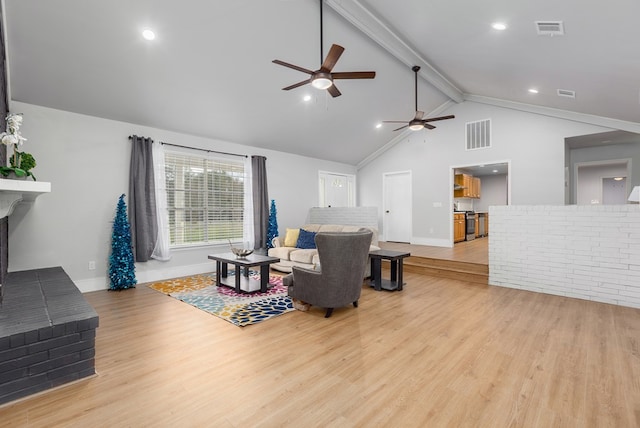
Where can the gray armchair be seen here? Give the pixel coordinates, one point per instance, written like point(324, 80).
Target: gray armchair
point(343, 259)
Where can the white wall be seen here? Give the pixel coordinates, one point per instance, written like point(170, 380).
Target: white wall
point(533, 143)
point(493, 191)
point(589, 182)
point(86, 159)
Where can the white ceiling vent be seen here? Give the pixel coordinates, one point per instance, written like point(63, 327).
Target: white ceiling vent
point(566, 93)
point(478, 134)
point(550, 28)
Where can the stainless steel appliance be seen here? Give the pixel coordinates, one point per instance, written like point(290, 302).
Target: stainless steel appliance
point(470, 217)
point(481, 224)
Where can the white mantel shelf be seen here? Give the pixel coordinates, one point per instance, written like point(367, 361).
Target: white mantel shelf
point(14, 191)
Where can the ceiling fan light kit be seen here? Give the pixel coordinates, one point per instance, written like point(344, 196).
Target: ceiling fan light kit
point(321, 80)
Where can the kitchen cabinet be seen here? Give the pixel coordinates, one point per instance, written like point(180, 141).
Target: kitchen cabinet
point(466, 186)
point(462, 187)
point(459, 227)
point(475, 187)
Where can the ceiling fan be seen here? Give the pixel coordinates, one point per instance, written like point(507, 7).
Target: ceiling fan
point(418, 123)
point(323, 77)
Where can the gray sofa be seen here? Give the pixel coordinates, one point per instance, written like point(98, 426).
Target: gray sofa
point(308, 258)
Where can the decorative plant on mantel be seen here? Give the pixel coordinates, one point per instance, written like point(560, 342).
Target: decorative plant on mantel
point(21, 162)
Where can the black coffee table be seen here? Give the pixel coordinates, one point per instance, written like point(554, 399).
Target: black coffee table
point(395, 257)
point(242, 283)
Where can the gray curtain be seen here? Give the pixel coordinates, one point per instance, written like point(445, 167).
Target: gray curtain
point(142, 199)
point(260, 200)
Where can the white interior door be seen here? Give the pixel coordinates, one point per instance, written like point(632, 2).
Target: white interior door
point(397, 222)
point(614, 192)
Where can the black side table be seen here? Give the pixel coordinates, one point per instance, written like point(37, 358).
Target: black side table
point(395, 257)
point(243, 283)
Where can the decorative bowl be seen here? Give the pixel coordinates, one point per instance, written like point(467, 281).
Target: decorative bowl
point(240, 252)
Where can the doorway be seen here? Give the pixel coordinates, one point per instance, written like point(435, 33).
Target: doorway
point(336, 190)
point(492, 189)
point(397, 206)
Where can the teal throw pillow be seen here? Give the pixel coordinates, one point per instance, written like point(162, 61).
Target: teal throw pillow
point(306, 240)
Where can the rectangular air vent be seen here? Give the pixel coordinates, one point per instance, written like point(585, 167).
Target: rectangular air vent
point(550, 28)
point(478, 134)
point(566, 93)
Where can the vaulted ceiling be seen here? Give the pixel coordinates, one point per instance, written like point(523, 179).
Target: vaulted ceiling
point(209, 72)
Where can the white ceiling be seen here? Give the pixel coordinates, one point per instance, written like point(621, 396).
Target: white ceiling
point(209, 71)
point(485, 170)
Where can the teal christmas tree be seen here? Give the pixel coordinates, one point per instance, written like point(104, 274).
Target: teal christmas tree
point(272, 230)
point(121, 264)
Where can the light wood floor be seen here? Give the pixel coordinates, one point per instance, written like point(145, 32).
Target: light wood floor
point(441, 353)
point(475, 251)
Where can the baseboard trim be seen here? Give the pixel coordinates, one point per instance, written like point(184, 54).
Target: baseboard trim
point(91, 284)
point(102, 283)
point(432, 242)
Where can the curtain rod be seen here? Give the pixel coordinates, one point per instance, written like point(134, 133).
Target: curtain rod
point(197, 148)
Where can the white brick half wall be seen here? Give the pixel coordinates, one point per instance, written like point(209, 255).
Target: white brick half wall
point(351, 216)
point(586, 252)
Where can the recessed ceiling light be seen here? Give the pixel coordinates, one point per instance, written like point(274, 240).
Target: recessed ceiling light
point(499, 26)
point(378, 125)
point(495, 170)
point(307, 98)
point(533, 90)
point(148, 34)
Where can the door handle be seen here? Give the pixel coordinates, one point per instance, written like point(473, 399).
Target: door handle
point(387, 211)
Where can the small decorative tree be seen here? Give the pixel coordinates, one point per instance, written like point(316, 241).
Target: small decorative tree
point(121, 263)
point(272, 230)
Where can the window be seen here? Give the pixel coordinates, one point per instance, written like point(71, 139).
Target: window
point(205, 199)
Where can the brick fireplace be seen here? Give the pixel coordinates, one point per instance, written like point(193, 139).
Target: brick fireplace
point(47, 333)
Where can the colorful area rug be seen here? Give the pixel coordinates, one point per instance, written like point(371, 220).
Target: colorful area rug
point(239, 309)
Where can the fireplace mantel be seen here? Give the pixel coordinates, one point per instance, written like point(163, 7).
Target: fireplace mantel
point(14, 191)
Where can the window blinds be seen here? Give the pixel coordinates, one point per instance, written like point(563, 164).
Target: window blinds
point(205, 199)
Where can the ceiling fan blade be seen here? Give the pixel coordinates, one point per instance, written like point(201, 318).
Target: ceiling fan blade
point(297, 85)
point(419, 115)
point(394, 121)
point(402, 127)
point(334, 91)
point(433, 119)
point(426, 125)
point(332, 58)
point(295, 67)
point(354, 75)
